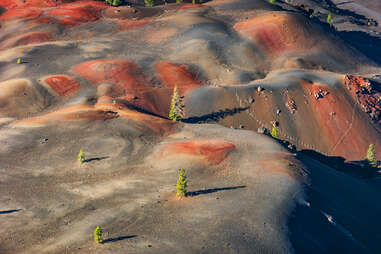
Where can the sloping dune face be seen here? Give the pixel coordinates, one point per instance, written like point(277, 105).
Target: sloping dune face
point(87, 75)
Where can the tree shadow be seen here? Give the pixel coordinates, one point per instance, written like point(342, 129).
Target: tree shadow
point(120, 238)
point(208, 191)
point(10, 211)
point(215, 116)
point(359, 169)
point(97, 159)
point(363, 42)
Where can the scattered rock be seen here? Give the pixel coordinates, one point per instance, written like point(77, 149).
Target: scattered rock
point(262, 130)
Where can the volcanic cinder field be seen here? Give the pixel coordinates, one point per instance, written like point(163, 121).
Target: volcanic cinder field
point(81, 74)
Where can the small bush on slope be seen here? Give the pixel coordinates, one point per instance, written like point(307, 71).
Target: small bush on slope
point(181, 185)
point(371, 156)
point(98, 235)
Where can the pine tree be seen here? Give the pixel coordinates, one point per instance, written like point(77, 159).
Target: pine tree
point(81, 156)
point(149, 3)
point(274, 131)
point(329, 19)
point(176, 110)
point(98, 235)
point(371, 156)
point(181, 185)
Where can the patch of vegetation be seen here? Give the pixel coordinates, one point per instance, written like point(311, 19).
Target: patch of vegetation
point(81, 156)
point(149, 3)
point(329, 19)
point(19, 61)
point(115, 2)
point(179, 1)
point(272, 1)
point(181, 185)
point(176, 112)
point(371, 156)
point(274, 131)
point(98, 235)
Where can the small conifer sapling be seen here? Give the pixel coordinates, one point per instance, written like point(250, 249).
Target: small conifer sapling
point(98, 235)
point(81, 156)
point(371, 156)
point(176, 110)
point(329, 19)
point(181, 185)
point(274, 131)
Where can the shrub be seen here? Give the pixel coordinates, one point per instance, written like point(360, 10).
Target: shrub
point(114, 2)
point(149, 3)
point(274, 131)
point(181, 185)
point(329, 19)
point(272, 1)
point(98, 235)
point(371, 156)
point(81, 156)
point(176, 109)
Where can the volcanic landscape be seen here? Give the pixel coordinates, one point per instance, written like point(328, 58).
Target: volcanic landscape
point(89, 75)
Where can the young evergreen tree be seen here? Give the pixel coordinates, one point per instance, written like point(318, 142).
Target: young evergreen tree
point(274, 131)
point(81, 156)
point(329, 19)
point(181, 185)
point(98, 235)
point(149, 3)
point(176, 110)
point(371, 156)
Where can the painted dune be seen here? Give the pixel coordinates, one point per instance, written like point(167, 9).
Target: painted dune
point(276, 107)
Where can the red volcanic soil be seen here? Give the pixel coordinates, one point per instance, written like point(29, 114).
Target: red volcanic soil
point(365, 95)
point(30, 13)
point(191, 6)
point(25, 39)
point(77, 13)
point(63, 85)
point(128, 82)
point(214, 151)
point(125, 75)
point(12, 4)
point(274, 32)
point(132, 24)
point(177, 75)
point(340, 121)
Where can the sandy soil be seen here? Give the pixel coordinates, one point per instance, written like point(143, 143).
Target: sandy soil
point(84, 75)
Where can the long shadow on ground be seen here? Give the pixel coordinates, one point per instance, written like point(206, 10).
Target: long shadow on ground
point(208, 191)
point(341, 213)
point(120, 238)
point(10, 211)
point(215, 116)
point(97, 159)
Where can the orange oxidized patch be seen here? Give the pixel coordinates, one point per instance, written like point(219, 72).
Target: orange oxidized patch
point(63, 85)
